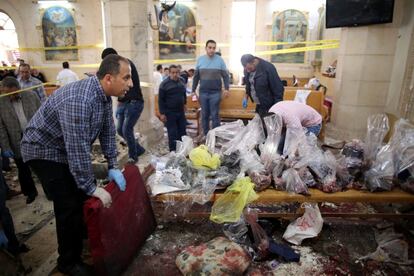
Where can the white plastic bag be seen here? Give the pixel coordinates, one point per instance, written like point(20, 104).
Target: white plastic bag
point(307, 226)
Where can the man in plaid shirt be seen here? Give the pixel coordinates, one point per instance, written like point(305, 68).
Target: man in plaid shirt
point(57, 146)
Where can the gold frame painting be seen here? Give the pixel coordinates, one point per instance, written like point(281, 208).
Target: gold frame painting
point(289, 26)
point(59, 30)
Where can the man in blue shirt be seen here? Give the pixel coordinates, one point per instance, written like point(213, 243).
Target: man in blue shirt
point(171, 102)
point(26, 80)
point(210, 70)
point(57, 146)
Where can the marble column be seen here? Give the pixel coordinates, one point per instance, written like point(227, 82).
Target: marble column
point(127, 30)
point(365, 65)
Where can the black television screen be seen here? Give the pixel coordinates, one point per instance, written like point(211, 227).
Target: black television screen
point(349, 13)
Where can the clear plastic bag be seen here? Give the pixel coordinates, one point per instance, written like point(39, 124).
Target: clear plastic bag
point(402, 143)
point(261, 240)
point(248, 138)
point(185, 146)
point(378, 127)
point(269, 148)
point(380, 176)
point(221, 135)
point(294, 183)
point(261, 181)
point(294, 137)
point(236, 232)
point(250, 161)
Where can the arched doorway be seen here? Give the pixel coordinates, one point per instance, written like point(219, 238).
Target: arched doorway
point(9, 45)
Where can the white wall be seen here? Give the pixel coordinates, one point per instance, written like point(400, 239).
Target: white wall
point(26, 16)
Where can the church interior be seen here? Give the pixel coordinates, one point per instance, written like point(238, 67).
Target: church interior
point(351, 61)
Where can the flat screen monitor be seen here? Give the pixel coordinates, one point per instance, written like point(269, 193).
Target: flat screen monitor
point(351, 13)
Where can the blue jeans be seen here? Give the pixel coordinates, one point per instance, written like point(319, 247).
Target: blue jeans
point(210, 106)
point(176, 127)
point(128, 114)
point(314, 129)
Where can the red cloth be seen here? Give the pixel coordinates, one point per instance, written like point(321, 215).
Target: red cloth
point(116, 233)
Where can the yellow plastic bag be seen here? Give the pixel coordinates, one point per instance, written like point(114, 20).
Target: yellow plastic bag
point(202, 158)
point(229, 206)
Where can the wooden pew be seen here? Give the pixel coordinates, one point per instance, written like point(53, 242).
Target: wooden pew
point(271, 196)
point(192, 112)
point(231, 107)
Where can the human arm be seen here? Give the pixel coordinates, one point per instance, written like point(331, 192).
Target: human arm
point(275, 84)
point(161, 102)
point(196, 78)
point(4, 138)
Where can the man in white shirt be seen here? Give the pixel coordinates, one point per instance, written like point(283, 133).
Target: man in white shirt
point(157, 78)
point(66, 75)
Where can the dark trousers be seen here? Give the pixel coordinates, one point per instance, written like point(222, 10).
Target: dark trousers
point(176, 126)
point(25, 178)
point(5, 217)
point(60, 186)
point(128, 114)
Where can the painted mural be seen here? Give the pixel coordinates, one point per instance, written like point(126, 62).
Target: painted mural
point(180, 27)
point(59, 30)
point(289, 26)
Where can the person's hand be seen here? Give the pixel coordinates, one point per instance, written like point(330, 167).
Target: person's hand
point(163, 118)
point(244, 103)
point(118, 177)
point(3, 239)
point(226, 93)
point(8, 154)
point(104, 196)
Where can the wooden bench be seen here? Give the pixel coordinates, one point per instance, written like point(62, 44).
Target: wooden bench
point(192, 112)
point(272, 196)
point(50, 88)
point(231, 107)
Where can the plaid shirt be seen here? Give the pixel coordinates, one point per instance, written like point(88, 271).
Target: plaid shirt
point(40, 91)
point(67, 124)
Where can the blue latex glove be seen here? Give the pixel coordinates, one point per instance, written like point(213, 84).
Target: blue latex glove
point(118, 177)
point(8, 154)
point(3, 239)
point(244, 103)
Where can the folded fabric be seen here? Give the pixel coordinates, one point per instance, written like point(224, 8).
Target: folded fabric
point(219, 256)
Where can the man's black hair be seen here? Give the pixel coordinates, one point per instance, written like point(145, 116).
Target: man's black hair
point(172, 66)
point(65, 64)
point(108, 51)
point(159, 67)
point(111, 64)
point(210, 41)
point(247, 58)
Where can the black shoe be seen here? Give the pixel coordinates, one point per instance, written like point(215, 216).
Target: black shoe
point(141, 150)
point(79, 269)
point(31, 198)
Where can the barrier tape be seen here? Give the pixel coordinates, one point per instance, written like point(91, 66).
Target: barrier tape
point(260, 43)
point(142, 84)
point(298, 49)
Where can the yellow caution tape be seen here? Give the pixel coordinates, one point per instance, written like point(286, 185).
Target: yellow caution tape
point(260, 43)
point(142, 84)
point(24, 89)
point(298, 49)
point(271, 43)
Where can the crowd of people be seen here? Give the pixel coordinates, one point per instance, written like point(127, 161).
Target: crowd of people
point(52, 136)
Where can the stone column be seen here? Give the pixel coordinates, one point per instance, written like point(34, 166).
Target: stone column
point(127, 30)
point(365, 65)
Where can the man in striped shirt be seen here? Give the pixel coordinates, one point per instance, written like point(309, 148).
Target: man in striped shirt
point(210, 70)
